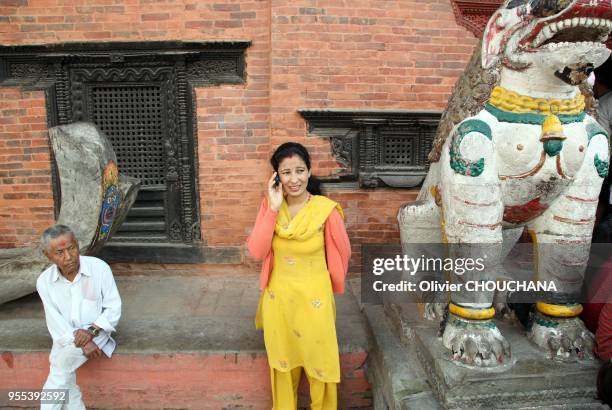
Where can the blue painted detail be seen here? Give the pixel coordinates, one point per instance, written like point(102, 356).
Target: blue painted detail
point(112, 200)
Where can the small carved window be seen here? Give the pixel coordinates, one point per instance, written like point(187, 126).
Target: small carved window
point(378, 148)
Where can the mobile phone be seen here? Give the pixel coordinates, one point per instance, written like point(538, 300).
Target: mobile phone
point(276, 180)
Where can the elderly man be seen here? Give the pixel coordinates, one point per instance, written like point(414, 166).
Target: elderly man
point(82, 309)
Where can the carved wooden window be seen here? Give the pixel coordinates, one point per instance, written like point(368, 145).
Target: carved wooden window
point(377, 148)
point(141, 96)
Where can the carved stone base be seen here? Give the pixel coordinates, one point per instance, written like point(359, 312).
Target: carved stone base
point(529, 380)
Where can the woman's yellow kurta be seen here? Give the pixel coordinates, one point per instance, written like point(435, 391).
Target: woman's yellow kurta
point(297, 310)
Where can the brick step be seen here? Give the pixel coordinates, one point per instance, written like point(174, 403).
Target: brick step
point(178, 380)
point(184, 342)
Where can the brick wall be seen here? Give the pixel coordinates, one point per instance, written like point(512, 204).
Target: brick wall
point(26, 198)
point(233, 127)
point(362, 54)
point(359, 54)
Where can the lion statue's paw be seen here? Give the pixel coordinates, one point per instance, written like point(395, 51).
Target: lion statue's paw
point(562, 338)
point(475, 342)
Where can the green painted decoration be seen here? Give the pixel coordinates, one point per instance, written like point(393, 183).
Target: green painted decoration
point(593, 128)
point(553, 147)
point(539, 319)
point(459, 164)
point(601, 166)
point(471, 324)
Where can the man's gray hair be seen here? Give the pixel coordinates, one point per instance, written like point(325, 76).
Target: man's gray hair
point(54, 232)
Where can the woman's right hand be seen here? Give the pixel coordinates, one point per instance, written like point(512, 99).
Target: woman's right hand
point(275, 194)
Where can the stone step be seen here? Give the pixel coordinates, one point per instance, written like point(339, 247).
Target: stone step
point(184, 342)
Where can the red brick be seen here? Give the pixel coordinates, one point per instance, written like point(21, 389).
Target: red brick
point(244, 15)
point(198, 24)
point(226, 7)
point(228, 23)
point(32, 27)
point(155, 16)
point(97, 35)
point(14, 3)
point(50, 19)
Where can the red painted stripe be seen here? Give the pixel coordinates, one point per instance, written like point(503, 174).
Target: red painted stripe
point(575, 198)
point(570, 221)
point(483, 204)
point(488, 226)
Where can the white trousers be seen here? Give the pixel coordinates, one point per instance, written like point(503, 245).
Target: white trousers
point(64, 361)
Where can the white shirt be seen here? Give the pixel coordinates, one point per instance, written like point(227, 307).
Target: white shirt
point(92, 298)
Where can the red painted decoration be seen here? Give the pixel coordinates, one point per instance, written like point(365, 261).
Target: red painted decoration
point(523, 213)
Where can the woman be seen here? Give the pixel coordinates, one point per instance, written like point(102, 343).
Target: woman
point(300, 236)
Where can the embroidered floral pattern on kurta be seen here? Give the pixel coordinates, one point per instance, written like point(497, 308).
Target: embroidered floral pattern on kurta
point(299, 322)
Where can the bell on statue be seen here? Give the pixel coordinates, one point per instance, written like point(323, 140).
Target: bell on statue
point(552, 135)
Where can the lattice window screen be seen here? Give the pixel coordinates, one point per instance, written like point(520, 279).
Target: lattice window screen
point(398, 151)
point(398, 146)
point(131, 117)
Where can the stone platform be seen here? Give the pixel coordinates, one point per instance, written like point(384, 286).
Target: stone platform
point(184, 342)
point(409, 369)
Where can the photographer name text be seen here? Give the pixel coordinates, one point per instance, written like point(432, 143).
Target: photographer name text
point(470, 286)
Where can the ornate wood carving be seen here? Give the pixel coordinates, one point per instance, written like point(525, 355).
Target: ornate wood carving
point(474, 14)
point(26, 70)
point(378, 148)
point(141, 95)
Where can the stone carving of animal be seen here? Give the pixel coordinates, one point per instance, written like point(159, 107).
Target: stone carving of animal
point(525, 155)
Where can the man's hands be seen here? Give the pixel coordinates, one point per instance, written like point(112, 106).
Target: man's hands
point(275, 194)
point(82, 337)
point(91, 350)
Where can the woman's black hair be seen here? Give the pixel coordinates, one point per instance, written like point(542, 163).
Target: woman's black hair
point(604, 383)
point(289, 149)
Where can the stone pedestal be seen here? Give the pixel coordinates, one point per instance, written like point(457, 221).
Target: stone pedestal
point(530, 380)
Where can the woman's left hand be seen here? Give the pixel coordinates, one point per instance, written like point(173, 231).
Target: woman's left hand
point(275, 193)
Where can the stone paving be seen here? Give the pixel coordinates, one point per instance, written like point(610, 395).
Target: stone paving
point(177, 313)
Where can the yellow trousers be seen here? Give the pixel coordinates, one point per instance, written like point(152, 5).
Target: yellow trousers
point(323, 396)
